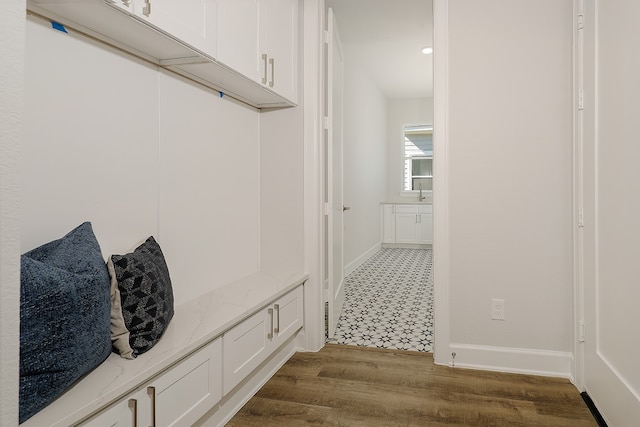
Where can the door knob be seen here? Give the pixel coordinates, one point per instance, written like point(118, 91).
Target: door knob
point(346, 208)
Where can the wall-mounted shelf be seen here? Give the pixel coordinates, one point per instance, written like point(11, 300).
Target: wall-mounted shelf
point(125, 31)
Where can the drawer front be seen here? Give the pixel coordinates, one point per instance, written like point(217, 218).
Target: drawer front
point(407, 209)
point(189, 389)
point(245, 347)
point(128, 412)
point(426, 209)
point(289, 316)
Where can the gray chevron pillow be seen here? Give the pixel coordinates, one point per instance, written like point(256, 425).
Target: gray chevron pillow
point(141, 299)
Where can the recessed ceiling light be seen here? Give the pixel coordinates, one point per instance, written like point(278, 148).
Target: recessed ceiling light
point(427, 50)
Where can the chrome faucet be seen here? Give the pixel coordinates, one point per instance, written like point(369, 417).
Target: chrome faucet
point(421, 197)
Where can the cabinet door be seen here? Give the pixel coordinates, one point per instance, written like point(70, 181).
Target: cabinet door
point(191, 21)
point(280, 32)
point(128, 412)
point(388, 224)
point(406, 227)
point(126, 5)
point(426, 228)
point(239, 41)
point(246, 345)
point(288, 315)
point(184, 393)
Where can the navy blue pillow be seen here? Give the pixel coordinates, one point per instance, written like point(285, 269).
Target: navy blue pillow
point(64, 316)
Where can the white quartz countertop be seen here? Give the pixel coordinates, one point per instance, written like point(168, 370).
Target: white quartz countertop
point(194, 324)
point(406, 203)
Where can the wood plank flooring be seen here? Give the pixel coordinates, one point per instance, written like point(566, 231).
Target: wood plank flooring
point(355, 386)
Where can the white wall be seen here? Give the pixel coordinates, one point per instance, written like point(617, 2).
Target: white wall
point(365, 132)
point(209, 207)
point(282, 190)
point(509, 199)
point(91, 142)
point(138, 153)
point(402, 112)
point(12, 34)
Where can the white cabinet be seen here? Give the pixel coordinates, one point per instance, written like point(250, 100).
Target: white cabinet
point(183, 37)
point(122, 414)
point(388, 223)
point(249, 343)
point(265, 47)
point(126, 5)
point(190, 21)
point(425, 221)
point(280, 35)
point(239, 44)
point(407, 224)
point(177, 397)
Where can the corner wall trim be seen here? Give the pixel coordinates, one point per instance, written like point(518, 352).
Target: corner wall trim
point(351, 267)
point(514, 360)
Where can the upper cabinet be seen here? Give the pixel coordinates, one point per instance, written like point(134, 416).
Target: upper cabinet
point(265, 46)
point(280, 34)
point(190, 21)
point(246, 49)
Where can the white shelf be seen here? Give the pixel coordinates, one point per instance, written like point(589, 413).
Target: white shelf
point(96, 20)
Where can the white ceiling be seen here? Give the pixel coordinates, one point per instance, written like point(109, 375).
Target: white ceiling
point(386, 37)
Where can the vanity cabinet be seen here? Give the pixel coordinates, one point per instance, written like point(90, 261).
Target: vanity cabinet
point(249, 343)
point(265, 47)
point(407, 224)
point(177, 397)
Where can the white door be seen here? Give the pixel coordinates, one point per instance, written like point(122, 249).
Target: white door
point(608, 229)
point(334, 175)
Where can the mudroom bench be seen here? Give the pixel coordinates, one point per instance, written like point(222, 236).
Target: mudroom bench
point(217, 351)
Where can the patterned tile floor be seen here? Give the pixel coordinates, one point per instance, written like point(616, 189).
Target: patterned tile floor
point(389, 302)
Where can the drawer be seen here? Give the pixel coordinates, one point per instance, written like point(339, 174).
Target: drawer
point(426, 209)
point(184, 393)
point(407, 209)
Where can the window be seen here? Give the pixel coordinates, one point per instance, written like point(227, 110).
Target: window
point(418, 158)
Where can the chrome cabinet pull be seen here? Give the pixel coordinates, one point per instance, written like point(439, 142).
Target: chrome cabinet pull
point(270, 334)
point(152, 392)
point(273, 72)
point(264, 58)
point(277, 307)
point(133, 404)
point(146, 10)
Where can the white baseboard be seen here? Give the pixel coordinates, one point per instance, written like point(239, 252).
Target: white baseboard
point(350, 268)
point(513, 360)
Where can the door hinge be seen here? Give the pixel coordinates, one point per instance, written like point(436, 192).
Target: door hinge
point(325, 209)
point(580, 14)
point(581, 217)
point(581, 331)
point(581, 99)
point(326, 123)
point(326, 36)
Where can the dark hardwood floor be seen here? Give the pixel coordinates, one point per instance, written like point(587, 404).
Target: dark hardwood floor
point(354, 386)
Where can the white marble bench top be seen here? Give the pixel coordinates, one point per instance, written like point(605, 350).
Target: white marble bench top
point(194, 324)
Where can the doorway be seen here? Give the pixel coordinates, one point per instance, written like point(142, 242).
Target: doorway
point(388, 82)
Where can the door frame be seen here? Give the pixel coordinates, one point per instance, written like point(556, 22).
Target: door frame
point(441, 353)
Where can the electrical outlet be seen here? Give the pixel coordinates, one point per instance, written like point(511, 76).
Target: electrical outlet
point(497, 309)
